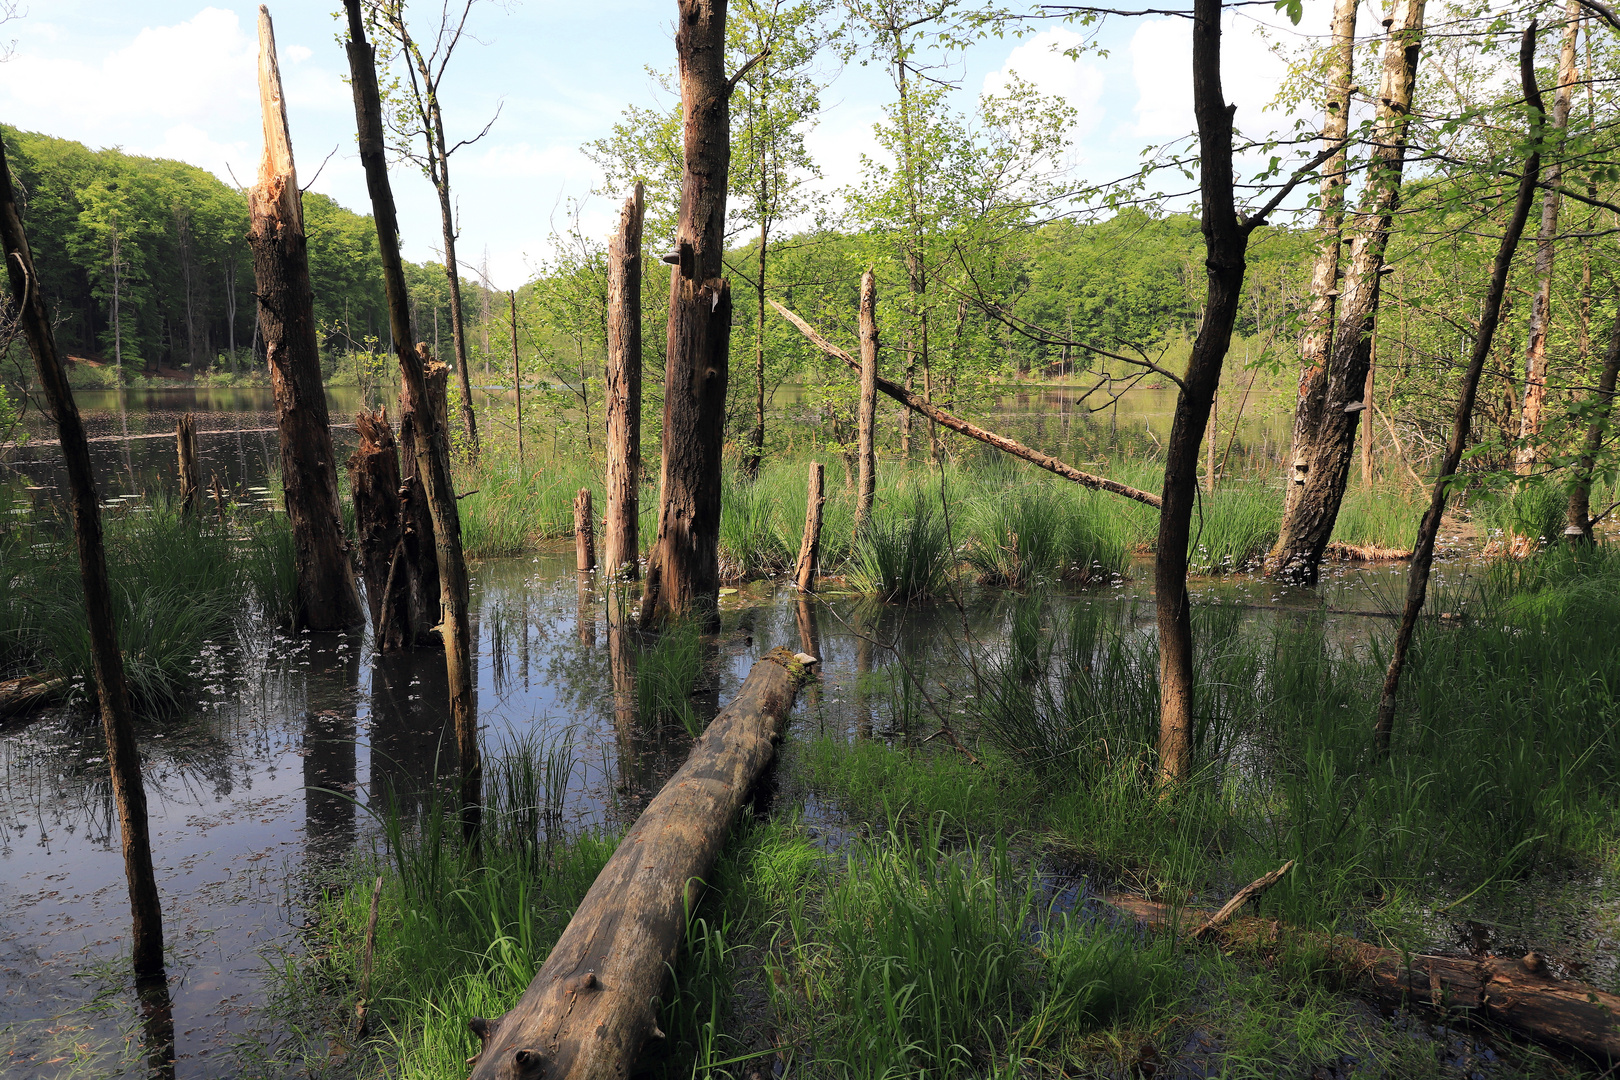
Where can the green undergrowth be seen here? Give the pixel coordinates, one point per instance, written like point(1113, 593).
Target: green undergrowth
point(178, 583)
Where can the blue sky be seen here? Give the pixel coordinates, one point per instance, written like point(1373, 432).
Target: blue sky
point(176, 79)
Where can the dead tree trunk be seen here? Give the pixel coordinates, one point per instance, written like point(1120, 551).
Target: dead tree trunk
point(866, 411)
point(107, 664)
point(327, 596)
point(1579, 515)
point(432, 442)
point(621, 549)
point(593, 1005)
point(804, 575)
point(914, 403)
point(517, 377)
point(1535, 357)
point(1417, 576)
point(374, 483)
point(584, 532)
point(419, 554)
point(185, 447)
point(1322, 458)
point(1316, 341)
point(683, 573)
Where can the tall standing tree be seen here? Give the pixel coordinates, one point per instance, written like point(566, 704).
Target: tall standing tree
point(328, 598)
point(777, 98)
point(420, 115)
point(1324, 446)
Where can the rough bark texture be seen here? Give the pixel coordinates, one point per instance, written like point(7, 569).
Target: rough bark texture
point(432, 438)
point(327, 596)
point(1322, 456)
point(914, 403)
point(185, 450)
point(584, 531)
point(1225, 244)
point(1535, 356)
point(107, 663)
point(1579, 515)
point(593, 1005)
point(866, 410)
point(683, 573)
point(804, 574)
point(1517, 994)
point(621, 548)
point(420, 556)
point(1316, 340)
point(1417, 576)
point(374, 483)
point(517, 377)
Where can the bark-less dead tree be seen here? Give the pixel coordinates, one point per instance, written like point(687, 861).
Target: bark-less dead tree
point(1531, 412)
point(432, 451)
point(621, 549)
point(683, 572)
point(1417, 577)
point(107, 663)
point(1325, 442)
point(328, 598)
point(423, 118)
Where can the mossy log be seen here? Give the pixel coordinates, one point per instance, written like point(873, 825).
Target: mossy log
point(594, 1004)
point(1517, 994)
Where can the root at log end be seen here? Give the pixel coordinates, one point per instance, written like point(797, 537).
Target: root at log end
point(1568, 1015)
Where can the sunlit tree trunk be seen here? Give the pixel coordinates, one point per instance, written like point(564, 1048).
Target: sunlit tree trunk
point(621, 549)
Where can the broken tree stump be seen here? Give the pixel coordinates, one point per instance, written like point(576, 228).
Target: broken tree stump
point(594, 1003)
point(185, 448)
point(804, 575)
point(584, 532)
point(374, 484)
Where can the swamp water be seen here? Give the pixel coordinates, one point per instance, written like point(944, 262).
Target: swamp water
point(262, 788)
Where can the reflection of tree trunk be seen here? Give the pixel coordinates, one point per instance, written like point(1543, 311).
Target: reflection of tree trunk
point(809, 630)
point(329, 748)
point(157, 1025)
point(865, 627)
point(327, 596)
point(410, 736)
point(586, 617)
point(622, 666)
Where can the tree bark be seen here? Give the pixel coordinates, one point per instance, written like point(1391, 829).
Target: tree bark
point(1322, 458)
point(1316, 340)
point(1417, 576)
point(374, 483)
point(420, 556)
point(1531, 414)
point(913, 403)
point(584, 532)
point(683, 574)
point(107, 663)
point(1579, 515)
point(327, 596)
point(804, 574)
point(593, 1005)
point(432, 442)
point(1225, 246)
point(621, 550)
point(185, 446)
point(517, 377)
point(866, 410)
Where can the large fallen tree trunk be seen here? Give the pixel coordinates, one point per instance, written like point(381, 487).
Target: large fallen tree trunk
point(1514, 993)
point(595, 1002)
point(1017, 449)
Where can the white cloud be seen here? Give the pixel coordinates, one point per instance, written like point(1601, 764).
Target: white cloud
point(1161, 63)
point(1041, 61)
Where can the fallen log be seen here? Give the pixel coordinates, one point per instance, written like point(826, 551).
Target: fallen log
point(1516, 994)
point(19, 697)
point(592, 1006)
point(939, 416)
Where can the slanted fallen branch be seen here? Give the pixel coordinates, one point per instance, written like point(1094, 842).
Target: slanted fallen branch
point(1516, 994)
point(973, 431)
point(594, 1004)
point(1251, 891)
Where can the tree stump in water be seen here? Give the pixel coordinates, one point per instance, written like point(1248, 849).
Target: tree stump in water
point(419, 558)
point(375, 484)
point(584, 532)
point(594, 1003)
point(185, 446)
point(804, 575)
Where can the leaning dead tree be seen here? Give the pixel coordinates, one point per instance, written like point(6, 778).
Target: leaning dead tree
point(432, 438)
point(621, 549)
point(1325, 441)
point(107, 663)
point(327, 596)
point(915, 403)
point(683, 572)
point(1417, 576)
point(591, 1008)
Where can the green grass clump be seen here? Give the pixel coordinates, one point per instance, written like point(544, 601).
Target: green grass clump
point(903, 553)
point(1383, 516)
point(1233, 529)
point(754, 529)
point(1034, 533)
point(668, 674)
